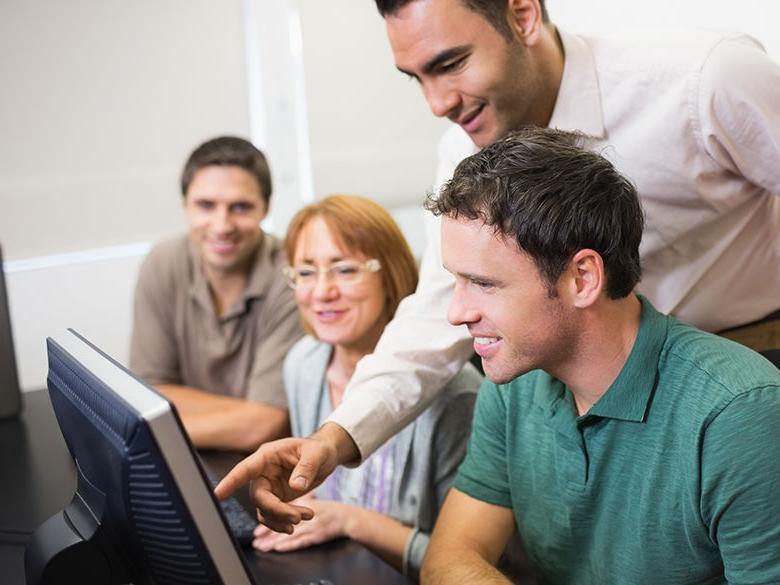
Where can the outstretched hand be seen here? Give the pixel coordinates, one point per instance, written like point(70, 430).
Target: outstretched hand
point(284, 470)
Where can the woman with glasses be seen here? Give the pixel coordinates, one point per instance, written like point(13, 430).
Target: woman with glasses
point(350, 268)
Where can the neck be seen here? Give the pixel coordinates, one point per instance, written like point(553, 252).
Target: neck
point(610, 330)
point(340, 370)
point(344, 361)
point(551, 59)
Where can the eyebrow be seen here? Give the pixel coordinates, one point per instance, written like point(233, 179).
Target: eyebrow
point(472, 277)
point(333, 260)
point(438, 59)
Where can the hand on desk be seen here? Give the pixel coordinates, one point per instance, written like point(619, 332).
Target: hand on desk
point(284, 470)
point(329, 522)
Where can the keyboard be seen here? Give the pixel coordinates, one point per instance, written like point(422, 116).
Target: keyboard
point(241, 523)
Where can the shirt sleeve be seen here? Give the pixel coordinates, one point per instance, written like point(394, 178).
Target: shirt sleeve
point(153, 346)
point(419, 352)
point(483, 475)
point(739, 110)
point(740, 469)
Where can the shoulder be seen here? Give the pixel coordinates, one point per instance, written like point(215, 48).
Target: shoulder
point(308, 350)
point(273, 251)
point(735, 77)
point(168, 252)
point(304, 360)
point(666, 56)
point(269, 263)
point(730, 56)
point(267, 271)
point(716, 366)
point(167, 262)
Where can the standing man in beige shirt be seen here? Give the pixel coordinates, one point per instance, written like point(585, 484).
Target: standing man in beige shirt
point(213, 316)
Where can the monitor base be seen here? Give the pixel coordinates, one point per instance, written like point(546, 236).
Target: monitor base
point(59, 553)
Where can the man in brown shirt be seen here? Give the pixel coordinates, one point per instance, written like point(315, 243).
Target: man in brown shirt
point(214, 317)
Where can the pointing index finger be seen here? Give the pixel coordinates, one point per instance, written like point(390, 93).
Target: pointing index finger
point(242, 473)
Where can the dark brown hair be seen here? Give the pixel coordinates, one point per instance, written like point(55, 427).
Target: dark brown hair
point(494, 11)
point(229, 151)
point(543, 189)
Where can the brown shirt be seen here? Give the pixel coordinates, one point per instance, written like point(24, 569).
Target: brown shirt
point(178, 338)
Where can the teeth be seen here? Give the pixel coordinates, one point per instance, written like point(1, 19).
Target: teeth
point(485, 340)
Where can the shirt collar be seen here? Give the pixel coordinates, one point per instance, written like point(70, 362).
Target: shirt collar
point(578, 105)
point(261, 273)
point(628, 398)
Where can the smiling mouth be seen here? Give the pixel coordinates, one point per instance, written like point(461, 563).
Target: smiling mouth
point(329, 315)
point(467, 122)
point(485, 347)
point(222, 246)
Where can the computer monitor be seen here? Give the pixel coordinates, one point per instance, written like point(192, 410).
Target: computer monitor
point(143, 511)
point(10, 396)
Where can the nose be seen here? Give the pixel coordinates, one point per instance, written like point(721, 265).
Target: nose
point(223, 221)
point(324, 287)
point(459, 311)
point(442, 99)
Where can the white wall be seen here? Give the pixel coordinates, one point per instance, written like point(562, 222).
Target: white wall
point(370, 130)
point(92, 295)
point(759, 18)
point(101, 102)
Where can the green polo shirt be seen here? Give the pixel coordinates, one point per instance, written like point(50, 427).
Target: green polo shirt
point(673, 477)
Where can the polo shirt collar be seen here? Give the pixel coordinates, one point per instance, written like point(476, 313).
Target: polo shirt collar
point(628, 398)
point(578, 105)
point(260, 275)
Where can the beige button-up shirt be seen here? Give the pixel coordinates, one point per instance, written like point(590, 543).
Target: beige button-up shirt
point(179, 339)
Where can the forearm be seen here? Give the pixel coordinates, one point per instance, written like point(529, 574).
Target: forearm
point(340, 440)
point(190, 400)
point(384, 536)
point(462, 549)
point(223, 422)
point(458, 565)
point(244, 428)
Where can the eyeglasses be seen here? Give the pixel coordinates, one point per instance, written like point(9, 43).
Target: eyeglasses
point(343, 272)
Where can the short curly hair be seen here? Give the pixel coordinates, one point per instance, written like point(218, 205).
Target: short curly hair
point(544, 189)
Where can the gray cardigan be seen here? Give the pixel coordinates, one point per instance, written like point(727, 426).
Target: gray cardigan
point(426, 454)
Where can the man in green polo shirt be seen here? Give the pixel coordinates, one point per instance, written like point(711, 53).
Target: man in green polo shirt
point(625, 446)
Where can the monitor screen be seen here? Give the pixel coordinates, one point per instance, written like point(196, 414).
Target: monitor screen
point(143, 511)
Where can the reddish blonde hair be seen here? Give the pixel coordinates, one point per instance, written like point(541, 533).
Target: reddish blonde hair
point(362, 225)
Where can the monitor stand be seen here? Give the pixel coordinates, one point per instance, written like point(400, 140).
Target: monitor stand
point(70, 548)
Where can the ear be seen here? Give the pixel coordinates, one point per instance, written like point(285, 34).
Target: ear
point(525, 20)
point(586, 278)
